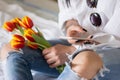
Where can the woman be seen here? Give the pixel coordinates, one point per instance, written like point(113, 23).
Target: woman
point(98, 18)
point(76, 18)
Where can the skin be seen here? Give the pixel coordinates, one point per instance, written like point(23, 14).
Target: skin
point(86, 64)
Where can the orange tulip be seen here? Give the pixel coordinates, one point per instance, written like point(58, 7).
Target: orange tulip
point(32, 45)
point(17, 41)
point(9, 26)
point(28, 34)
point(26, 22)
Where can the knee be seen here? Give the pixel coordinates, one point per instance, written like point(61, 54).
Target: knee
point(87, 64)
point(14, 58)
point(5, 50)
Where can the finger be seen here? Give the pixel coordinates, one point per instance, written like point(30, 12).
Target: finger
point(48, 55)
point(46, 51)
point(57, 63)
point(51, 61)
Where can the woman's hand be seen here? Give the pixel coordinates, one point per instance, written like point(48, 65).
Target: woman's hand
point(76, 31)
point(56, 55)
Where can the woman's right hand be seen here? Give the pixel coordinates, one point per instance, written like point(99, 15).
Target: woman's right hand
point(75, 31)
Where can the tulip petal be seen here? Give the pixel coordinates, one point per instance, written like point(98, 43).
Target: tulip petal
point(18, 38)
point(27, 21)
point(17, 44)
point(28, 34)
point(9, 26)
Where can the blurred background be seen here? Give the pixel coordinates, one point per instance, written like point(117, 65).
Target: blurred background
point(44, 8)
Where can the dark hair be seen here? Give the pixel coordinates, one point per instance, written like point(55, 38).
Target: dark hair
point(68, 3)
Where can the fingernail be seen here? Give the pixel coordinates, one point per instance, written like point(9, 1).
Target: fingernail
point(84, 30)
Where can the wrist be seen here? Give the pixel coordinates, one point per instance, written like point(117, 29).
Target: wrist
point(71, 49)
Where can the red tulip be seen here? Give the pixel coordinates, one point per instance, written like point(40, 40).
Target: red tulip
point(28, 34)
point(9, 26)
point(16, 21)
point(17, 41)
point(26, 22)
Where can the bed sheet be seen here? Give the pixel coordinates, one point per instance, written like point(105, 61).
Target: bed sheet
point(49, 28)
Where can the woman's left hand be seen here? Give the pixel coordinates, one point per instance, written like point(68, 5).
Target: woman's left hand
point(56, 55)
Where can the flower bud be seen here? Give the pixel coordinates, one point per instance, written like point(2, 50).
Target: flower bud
point(28, 34)
point(17, 41)
point(26, 22)
point(9, 26)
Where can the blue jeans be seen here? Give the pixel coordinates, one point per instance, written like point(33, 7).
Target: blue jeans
point(19, 65)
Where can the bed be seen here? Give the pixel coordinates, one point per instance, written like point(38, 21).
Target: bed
point(44, 19)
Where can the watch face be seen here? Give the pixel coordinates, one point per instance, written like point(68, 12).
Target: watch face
point(95, 19)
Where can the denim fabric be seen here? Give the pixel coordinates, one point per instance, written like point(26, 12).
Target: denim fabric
point(68, 74)
point(111, 59)
point(19, 65)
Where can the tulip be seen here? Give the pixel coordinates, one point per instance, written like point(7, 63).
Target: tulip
point(26, 22)
point(28, 34)
point(16, 20)
point(33, 45)
point(17, 41)
point(9, 26)
point(18, 38)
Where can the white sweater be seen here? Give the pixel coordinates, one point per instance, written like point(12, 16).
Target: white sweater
point(109, 10)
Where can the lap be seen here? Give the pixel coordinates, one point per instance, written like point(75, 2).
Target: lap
point(36, 60)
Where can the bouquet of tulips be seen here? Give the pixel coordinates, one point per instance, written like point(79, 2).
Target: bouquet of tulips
point(25, 35)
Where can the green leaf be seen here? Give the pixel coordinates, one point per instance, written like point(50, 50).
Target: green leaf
point(38, 31)
point(41, 40)
point(20, 29)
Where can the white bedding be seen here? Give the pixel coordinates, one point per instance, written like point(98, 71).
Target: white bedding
point(49, 28)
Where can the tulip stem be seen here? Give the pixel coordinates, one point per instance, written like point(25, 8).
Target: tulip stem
point(40, 45)
point(20, 29)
